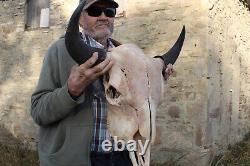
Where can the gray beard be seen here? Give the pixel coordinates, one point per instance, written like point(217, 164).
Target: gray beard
point(102, 39)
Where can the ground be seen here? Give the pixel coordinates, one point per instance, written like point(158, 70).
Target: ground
point(20, 155)
point(17, 155)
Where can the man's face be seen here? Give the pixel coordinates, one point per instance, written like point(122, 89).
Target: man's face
point(100, 27)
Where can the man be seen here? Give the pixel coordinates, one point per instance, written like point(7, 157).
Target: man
point(69, 104)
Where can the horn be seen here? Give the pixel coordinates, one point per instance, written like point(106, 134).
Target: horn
point(172, 55)
point(76, 47)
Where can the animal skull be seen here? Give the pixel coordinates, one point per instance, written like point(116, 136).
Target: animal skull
point(133, 89)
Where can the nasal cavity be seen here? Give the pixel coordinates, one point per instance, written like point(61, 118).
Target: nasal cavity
point(113, 93)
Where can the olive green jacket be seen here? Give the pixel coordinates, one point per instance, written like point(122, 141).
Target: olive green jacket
point(65, 124)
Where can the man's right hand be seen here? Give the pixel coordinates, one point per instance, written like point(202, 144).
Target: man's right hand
point(81, 76)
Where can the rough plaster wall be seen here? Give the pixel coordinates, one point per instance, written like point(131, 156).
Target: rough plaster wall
point(229, 29)
point(206, 100)
point(20, 61)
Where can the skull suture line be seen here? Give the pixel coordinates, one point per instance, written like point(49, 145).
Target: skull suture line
point(133, 86)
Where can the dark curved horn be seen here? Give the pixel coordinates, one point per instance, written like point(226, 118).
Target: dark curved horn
point(172, 55)
point(76, 47)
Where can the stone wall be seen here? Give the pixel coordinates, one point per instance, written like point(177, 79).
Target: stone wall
point(207, 99)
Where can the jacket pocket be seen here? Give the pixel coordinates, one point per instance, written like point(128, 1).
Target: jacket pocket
point(75, 149)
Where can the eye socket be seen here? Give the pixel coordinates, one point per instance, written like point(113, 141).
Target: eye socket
point(106, 77)
point(113, 93)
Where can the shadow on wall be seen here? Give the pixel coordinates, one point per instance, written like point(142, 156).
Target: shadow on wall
point(15, 83)
point(12, 57)
point(246, 3)
point(21, 58)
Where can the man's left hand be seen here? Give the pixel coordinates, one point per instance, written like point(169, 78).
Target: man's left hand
point(168, 71)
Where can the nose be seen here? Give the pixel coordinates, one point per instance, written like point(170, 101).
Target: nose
point(103, 16)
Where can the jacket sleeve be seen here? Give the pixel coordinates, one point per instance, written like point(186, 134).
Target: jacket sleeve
point(51, 101)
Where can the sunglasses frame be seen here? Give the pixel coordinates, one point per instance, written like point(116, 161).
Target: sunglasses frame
point(95, 11)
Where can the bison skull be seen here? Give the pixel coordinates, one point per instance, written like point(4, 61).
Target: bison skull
point(133, 89)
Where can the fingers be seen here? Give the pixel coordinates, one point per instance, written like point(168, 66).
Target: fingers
point(169, 68)
point(107, 67)
point(84, 74)
point(168, 71)
point(104, 66)
point(90, 62)
point(88, 70)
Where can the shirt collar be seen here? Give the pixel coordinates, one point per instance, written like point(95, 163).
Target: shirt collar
point(93, 43)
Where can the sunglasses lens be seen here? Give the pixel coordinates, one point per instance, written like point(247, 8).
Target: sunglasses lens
point(97, 11)
point(94, 11)
point(110, 12)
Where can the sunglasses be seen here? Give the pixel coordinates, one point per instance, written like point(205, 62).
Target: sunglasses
point(97, 11)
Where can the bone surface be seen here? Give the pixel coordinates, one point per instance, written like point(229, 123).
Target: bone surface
point(133, 88)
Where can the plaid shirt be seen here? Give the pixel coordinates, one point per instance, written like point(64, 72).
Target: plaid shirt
point(99, 106)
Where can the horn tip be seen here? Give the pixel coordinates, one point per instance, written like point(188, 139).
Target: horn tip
point(184, 28)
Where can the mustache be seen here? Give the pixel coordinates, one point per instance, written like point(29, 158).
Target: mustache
point(98, 23)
